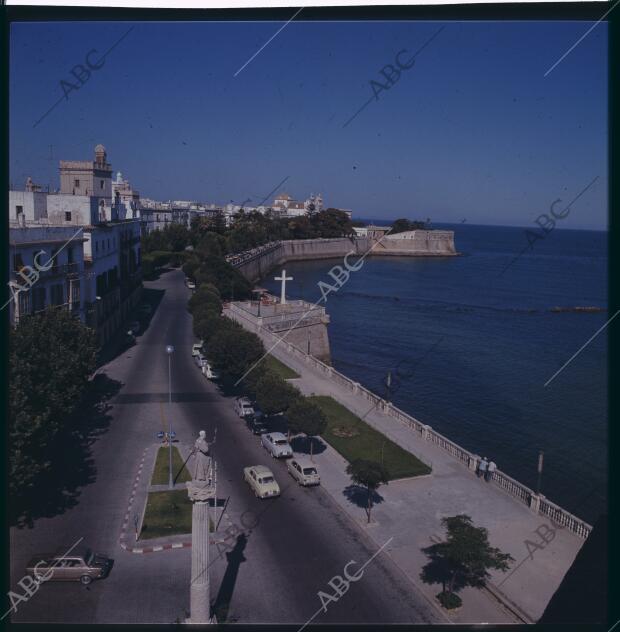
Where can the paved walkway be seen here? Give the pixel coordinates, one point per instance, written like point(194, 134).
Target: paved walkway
point(411, 511)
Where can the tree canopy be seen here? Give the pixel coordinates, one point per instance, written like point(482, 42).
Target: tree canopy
point(463, 559)
point(234, 350)
point(51, 357)
point(370, 475)
point(274, 395)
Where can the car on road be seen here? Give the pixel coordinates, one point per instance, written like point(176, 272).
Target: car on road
point(190, 284)
point(262, 481)
point(197, 348)
point(303, 471)
point(276, 444)
point(243, 407)
point(256, 425)
point(128, 339)
point(134, 326)
point(83, 566)
point(200, 360)
point(209, 372)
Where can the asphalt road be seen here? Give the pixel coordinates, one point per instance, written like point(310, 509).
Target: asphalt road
point(301, 539)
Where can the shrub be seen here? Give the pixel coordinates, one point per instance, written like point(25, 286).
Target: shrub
point(449, 600)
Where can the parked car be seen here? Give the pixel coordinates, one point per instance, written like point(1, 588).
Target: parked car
point(243, 407)
point(256, 425)
point(129, 339)
point(276, 444)
point(303, 471)
point(200, 360)
point(197, 348)
point(209, 372)
point(190, 284)
point(83, 566)
point(134, 326)
point(262, 481)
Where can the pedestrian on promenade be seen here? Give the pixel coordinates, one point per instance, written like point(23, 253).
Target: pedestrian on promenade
point(491, 467)
point(482, 467)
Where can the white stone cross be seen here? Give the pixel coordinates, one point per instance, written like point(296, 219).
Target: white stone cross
point(284, 279)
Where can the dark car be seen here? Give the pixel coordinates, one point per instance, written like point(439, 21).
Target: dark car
point(82, 566)
point(256, 425)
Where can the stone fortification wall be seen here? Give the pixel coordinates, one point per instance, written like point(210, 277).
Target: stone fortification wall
point(419, 243)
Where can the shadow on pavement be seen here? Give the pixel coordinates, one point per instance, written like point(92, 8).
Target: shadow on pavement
point(358, 495)
point(71, 463)
point(224, 596)
point(301, 445)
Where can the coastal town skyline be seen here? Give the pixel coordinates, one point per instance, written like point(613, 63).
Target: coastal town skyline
point(198, 132)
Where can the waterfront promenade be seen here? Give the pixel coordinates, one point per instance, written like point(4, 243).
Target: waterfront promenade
point(411, 511)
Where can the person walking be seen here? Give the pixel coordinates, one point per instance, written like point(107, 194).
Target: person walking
point(491, 467)
point(482, 467)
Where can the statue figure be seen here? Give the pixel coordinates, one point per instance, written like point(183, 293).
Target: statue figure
point(202, 468)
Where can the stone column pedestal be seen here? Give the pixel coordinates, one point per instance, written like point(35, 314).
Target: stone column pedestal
point(199, 493)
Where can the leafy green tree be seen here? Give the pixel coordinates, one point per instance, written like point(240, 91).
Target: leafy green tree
point(402, 225)
point(51, 357)
point(305, 416)
point(204, 298)
point(274, 395)
point(208, 323)
point(332, 222)
point(462, 560)
point(210, 243)
point(191, 266)
point(234, 350)
point(229, 281)
point(370, 475)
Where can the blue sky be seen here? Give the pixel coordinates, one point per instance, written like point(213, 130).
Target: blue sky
point(473, 130)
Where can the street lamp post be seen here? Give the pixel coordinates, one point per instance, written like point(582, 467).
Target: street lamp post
point(170, 351)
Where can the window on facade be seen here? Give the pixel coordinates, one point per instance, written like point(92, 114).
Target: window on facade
point(57, 294)
point(101, 184)
point(19, 210)
point(96, 246)
point(18, 262)
point(108, 243)
point(74, 289)
point(67, 216)
point(24, 303)
point(76, 183)
point(38, 299)
point(70, 254)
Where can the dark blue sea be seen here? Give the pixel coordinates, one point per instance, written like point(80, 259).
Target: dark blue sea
point(474, 347)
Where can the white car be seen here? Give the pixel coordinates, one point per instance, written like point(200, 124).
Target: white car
point(303, 471)
point(190, 284)
point(243, 407)
point(276, 444)
point(197, 348)
point(200, 360)
point(209, 372)
point(261, 480)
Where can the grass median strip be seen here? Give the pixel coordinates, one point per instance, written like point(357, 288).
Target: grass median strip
point(355, 439)
point(279, 368)
point(168, 513)
point(160, 471)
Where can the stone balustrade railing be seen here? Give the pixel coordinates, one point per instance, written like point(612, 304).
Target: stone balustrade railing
point(537, 502)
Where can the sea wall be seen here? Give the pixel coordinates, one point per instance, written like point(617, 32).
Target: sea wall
point(257, 263)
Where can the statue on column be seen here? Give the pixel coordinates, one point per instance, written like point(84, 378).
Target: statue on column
point(202, 466)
